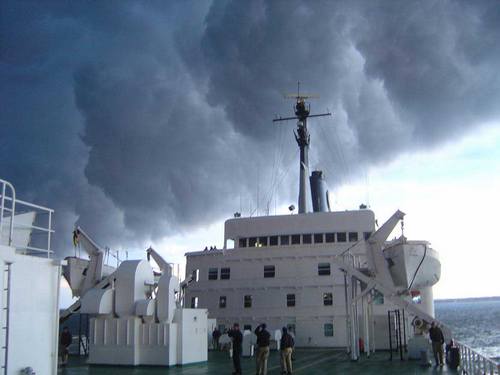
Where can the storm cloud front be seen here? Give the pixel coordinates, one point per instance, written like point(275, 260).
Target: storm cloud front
point(138, 120)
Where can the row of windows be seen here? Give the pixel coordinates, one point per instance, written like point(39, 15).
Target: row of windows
point(327, 328)
point(301, 239)
point(247, 301)
point(324, 269)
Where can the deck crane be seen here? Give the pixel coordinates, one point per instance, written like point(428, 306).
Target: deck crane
point(165, 267)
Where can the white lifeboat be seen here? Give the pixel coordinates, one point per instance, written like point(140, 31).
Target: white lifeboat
point(412, 264)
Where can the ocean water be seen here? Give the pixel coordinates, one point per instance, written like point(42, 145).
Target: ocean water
point(474, 322)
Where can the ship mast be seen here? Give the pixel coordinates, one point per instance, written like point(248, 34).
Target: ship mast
point(302, 113)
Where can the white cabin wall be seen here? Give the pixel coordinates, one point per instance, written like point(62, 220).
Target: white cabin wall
point(34, 312)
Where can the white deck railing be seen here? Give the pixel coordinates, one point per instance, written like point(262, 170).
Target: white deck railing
point(474, 363)
point(10, 206)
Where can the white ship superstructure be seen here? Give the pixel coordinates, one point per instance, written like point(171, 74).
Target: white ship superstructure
point(330, 277)
point(29, 285)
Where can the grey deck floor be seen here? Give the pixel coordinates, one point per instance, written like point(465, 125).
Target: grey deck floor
point(307, 362)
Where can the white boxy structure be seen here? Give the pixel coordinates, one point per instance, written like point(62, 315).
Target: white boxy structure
point(29, 285)
point(132, 327)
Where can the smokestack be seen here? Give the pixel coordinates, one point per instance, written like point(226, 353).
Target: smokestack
point(319, 194)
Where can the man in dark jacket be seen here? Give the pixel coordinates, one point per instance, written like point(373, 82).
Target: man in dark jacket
point(237, 338)
point(64, 342)
point(215, 338)
point(263, 339)
point(286, 344)
point(437, 338)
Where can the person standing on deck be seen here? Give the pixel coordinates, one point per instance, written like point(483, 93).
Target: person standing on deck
point(286, 345)
point(64, 342)
point(237, 338)
point(437, 338)
point(263, 339)
point(215, 338)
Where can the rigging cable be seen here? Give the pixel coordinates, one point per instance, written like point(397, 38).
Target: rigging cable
point(418, 268)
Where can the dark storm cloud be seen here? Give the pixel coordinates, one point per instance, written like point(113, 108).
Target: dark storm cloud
point(141, 119)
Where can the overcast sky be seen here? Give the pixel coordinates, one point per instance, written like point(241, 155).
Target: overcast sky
point(150, 122)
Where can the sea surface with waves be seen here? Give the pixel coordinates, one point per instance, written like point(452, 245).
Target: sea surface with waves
point(474, 322)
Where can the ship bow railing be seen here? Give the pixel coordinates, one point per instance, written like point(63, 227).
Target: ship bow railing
point(473, 362)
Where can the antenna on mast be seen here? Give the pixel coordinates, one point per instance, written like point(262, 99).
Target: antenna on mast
point(302, 113)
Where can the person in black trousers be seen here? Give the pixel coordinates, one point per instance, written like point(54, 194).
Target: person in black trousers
point(237, 338)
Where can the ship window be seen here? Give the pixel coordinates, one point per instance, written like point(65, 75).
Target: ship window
point(367, 235)
point(247, 327)
point(269, 271)
point(327, 299)
point(378, 298)
point(263, 241)
point(295, 239)
point(290, 300)
point(285, 240)
point(252, 241)
point(353, 236)
point(318, 237)
point(273, 241)
point(225, 273)
point(306, 238)
point(222, 302)
point(213, 273)
point(341, 237)
point(243, 242)
point(328, 329)
point(196, 275)
point(194, 302)
point(330, 237)
point(247, 302)
point(323, 269)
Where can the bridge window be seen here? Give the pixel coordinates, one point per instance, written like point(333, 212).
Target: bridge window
point(285, 240)
point(295, 239)
point(329, 237)
point(222, 302)
point(213, 273)
point(318, 237)
point(306, 239)
point(273, 241)
point(290, 300)
point(327, 299)
point(243, 242)
point(252, 241)
point(263, 241)
point(269, 271)
point(323, 269)
point(367, 235)
point(353, 236)
point(225, 273)
point(341, 237)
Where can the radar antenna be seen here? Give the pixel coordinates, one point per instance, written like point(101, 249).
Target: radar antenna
point(302, 113)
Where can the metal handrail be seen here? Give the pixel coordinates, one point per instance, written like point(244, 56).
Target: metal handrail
point(11, 210)
point(474, 363)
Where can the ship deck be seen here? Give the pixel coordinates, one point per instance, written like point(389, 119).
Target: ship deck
point(307, 362)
